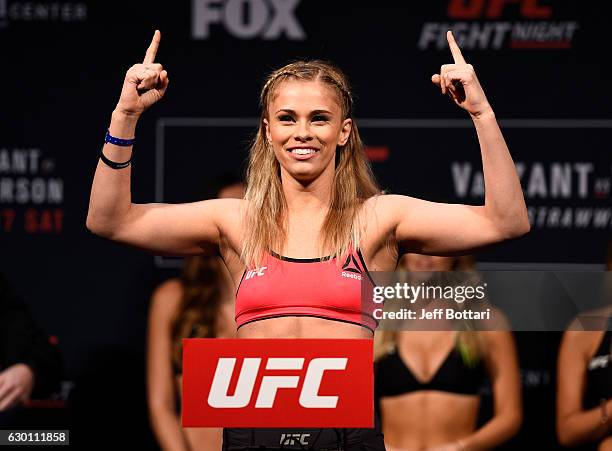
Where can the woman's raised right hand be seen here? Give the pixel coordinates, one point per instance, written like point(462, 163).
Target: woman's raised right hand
point(144, 83)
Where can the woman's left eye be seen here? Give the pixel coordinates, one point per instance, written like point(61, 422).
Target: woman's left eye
point(319, 118)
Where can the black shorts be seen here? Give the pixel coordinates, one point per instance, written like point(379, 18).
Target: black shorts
point(300, 438)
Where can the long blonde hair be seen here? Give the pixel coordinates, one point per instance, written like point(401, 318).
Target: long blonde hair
point(353, 180)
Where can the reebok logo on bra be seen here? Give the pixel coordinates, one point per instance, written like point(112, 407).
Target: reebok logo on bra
point(350, 269)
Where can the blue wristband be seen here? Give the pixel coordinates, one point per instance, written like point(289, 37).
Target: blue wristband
point(118, 141)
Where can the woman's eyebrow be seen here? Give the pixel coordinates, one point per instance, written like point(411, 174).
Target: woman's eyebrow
point(312, 113)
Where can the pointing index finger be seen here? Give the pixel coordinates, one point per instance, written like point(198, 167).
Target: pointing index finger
point(152, 50)
point(454, 48)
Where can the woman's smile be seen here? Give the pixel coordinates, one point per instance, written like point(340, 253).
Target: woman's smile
point(303, 153)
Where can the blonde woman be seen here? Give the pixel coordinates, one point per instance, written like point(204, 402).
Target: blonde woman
point(428, 381)
point(311, 204)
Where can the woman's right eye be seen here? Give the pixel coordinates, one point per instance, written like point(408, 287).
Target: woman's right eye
point(285, 118)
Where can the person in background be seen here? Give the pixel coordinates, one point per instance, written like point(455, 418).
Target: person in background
point(584, 381)
point(427, 382)
point(30, 366)
point(198, 304)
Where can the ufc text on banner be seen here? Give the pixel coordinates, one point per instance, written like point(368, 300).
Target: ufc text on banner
point(278, 383)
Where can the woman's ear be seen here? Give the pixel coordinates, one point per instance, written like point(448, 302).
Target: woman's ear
point(347, 125)
point(267, 130)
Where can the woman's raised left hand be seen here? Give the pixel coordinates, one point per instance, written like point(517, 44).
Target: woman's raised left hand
point(459, 81)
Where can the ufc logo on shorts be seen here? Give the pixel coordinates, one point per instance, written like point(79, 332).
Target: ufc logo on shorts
point(292, 439)
point(247, 19)
point(278, 383)
point(309, 397)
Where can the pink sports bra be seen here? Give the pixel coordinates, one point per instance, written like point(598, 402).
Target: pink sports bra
point(317, 287)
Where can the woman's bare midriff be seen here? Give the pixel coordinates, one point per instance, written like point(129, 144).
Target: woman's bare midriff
point(302, 327)
point(443, 418)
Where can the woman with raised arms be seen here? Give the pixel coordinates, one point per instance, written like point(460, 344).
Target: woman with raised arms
point(311, 205)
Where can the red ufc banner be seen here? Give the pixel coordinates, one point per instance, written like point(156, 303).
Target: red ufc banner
point(278, 383)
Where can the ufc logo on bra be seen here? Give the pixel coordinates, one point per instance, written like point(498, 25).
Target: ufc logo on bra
point(277, 383)
point(255, 272)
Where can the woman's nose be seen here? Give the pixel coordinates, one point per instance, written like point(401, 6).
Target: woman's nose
point(302, 132)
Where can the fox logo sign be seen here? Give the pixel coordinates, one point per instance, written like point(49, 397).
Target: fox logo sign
point(296, 382)
point(247, 19)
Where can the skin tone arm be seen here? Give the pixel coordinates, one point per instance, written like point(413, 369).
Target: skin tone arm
point(575, 425)
point(161, 394)
point(502, 363)
point(181, 229)
point(435, 228)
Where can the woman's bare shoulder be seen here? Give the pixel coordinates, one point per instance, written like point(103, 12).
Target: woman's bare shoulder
point(232, 214)
point(493, 339)
point(377, 230)
point(377, 210)
point(388, 209)
point(584, 332)
point(591, 320)
point(381, 201)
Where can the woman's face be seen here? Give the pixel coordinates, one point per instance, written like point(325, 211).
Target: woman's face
point(304, 125)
